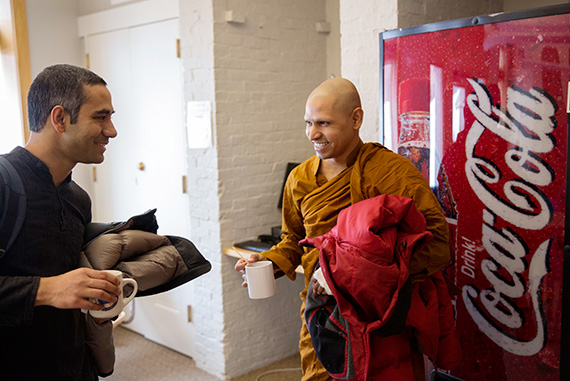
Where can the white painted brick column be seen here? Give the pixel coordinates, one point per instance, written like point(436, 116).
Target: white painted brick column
point(197, 42)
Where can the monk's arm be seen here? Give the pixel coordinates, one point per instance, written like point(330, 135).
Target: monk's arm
point(436, 254)
point(287, 253)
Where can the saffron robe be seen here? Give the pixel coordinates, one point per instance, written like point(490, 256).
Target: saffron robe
point(311, 205)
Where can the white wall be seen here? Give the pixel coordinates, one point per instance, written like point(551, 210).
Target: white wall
point(333, 38)
point(52, 33)
point(53, 39)
point(521, 5)
point(414, 12)
point(91, 6)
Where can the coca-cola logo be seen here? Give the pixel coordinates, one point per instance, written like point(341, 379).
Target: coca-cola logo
point(526, 123)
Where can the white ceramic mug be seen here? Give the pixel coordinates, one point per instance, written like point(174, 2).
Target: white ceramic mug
point(113, 309)
point(260, 279)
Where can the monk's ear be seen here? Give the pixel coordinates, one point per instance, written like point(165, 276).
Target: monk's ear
point(57, 118)
point(357, 117)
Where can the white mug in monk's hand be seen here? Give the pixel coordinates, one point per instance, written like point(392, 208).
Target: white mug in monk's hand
point(113, 309)
point(260, 279)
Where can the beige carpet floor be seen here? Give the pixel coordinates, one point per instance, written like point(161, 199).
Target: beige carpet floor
point(139, 359)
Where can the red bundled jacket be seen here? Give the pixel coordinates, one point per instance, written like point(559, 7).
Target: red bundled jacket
point(364, 331)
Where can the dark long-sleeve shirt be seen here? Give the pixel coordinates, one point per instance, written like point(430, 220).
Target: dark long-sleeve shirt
point(43, 342)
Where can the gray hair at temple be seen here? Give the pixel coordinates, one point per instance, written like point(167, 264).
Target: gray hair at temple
point(61, 85)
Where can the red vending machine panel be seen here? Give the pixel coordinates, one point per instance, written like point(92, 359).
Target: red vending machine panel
point(480, 106)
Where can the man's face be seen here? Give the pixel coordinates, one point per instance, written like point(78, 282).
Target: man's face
point(330, 129)
point(86, 139)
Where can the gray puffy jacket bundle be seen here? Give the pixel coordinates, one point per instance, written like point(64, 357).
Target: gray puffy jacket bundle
point(158, 264)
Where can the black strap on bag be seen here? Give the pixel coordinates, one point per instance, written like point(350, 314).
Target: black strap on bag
point(13, 205)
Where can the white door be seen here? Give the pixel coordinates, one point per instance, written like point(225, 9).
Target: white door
point(145, 164)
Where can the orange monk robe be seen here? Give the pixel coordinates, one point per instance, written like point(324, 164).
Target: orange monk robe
point(311, 205)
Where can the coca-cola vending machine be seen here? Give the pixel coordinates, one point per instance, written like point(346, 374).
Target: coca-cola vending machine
point(480, 106)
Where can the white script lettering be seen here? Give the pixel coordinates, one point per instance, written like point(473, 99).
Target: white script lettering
point(527, 124)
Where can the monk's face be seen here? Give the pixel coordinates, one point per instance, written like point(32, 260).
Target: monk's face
point(330, 128)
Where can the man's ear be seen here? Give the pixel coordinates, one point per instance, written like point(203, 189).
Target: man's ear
point(57, 118)
point(357, 117)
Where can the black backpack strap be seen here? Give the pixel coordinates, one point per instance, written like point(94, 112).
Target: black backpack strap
point(13, 205)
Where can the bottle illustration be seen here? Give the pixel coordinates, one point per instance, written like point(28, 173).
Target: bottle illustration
point(413, 108)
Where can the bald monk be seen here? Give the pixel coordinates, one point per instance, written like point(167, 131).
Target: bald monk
point(344, 171)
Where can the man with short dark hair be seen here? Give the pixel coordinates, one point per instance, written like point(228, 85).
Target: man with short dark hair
point(343, 172)
point(42, 288)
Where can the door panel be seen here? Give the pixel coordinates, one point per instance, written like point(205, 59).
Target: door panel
point(115, 190)
point(144, 165)
point(157, 94)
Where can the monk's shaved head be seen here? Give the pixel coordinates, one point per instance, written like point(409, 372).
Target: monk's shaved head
point(333, 117)
point(340, 93)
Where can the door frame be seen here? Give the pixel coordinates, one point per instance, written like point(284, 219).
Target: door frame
point(17, 37)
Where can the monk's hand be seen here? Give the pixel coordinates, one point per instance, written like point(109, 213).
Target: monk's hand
point(240, 265)
point(317, 288)
point(74, 289)
point(319, 283)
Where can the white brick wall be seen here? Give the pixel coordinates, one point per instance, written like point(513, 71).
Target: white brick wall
point(419, 12)
point(521, 5)
point(265, 68)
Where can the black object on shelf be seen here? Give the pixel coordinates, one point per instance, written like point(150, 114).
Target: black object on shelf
point(257, 246)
